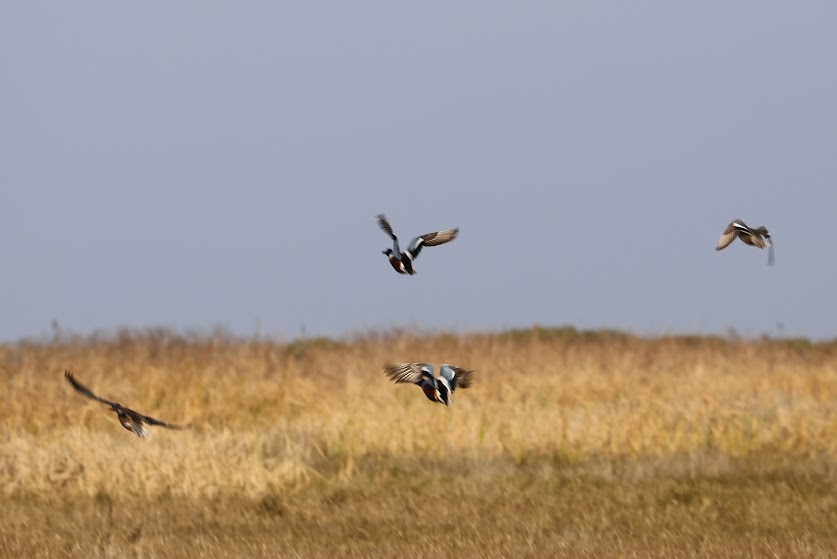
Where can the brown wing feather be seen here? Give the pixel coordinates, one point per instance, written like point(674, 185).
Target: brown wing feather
point(729, 235)
point(462, 376)
point(151, 421)
point(404, 372)
point(84, 390)
point(439, 237)
point(757, 241)
point(384, 224)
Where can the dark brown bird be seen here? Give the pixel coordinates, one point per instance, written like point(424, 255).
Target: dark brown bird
point(758, 237)
point(402, 262)
point(131, 420)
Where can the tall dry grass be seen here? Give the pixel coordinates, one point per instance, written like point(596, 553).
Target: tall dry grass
point(569, 444)
point(268, 416)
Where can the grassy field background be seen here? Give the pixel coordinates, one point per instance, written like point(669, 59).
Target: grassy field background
point(569, 444)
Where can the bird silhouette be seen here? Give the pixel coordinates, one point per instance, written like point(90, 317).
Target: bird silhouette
point(758, 237)
point(437, 389)
point(402, 262)
point(131, 420)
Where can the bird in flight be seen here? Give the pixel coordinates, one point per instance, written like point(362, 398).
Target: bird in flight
point(402, 262)
point(437, 389)
point(131, 420)
point(758, 237)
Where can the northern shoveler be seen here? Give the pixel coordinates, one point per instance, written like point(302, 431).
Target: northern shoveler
point(758, 237)
point(437, 389)
point(402, 262)
point(131, 420)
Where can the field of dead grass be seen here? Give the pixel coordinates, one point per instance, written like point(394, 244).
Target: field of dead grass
point(576, 444)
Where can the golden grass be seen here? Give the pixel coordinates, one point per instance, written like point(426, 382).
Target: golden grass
point(682, 446)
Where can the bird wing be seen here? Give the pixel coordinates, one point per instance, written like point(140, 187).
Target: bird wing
point(387, 228)
point(741, 226)
point(151, 421)
point(409, 372)
point(757, 241)
point(430, 240)
point(439, 237)
point(729, 235)
point(761, 238)
point(84, 390)
point(384, 224)
point(457, 377)
point(770, 258)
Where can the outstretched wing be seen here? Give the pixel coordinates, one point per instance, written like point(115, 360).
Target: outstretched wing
point(84, 390)
point(731, 232)
point(409, 372)
point(439, 237)
point(151, 421)
point(387, 228)
point(384, 224)
point(457, 377)
point(431, 239)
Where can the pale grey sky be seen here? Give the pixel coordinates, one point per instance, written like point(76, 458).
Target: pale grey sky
point(199, 164)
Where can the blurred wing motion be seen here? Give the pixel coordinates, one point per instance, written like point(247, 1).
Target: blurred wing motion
point(439, 237)
point(409, 372)
point(130, 419)
point(431, 240)
point(420, 374)
point(735, 227)
point(157, 422)
point(450, 378)
point(726, 239)
point(84, 390)
point(384, 224)
point(457, 377)
point(436, 389)
point(770, 258)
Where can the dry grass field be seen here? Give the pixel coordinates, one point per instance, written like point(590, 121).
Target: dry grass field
point(569, 444)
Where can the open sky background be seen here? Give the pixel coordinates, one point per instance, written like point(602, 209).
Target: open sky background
point(203, 164)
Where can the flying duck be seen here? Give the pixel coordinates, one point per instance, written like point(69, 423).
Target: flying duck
point(437, 389)
point(402, 262)
point(758, 237)
point(131, 420)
